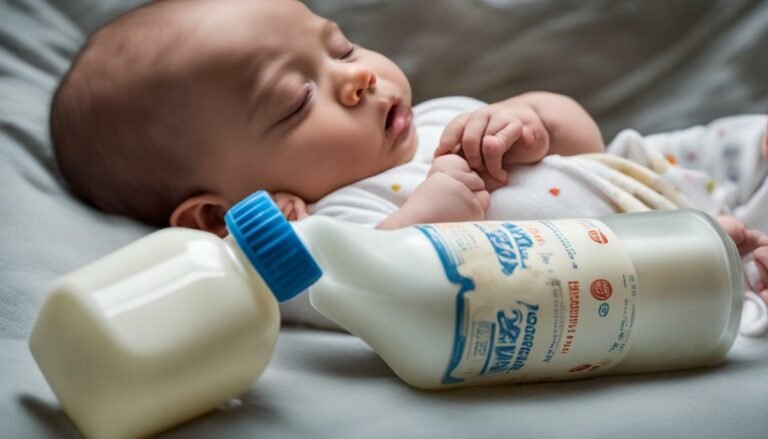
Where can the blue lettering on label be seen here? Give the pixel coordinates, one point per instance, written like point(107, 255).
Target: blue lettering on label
point(508, 326)
point(523, 241)
point(510, 352)
point(506, 350)
point(511, 244)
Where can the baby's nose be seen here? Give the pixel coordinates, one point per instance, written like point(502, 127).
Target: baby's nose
point(358, 80)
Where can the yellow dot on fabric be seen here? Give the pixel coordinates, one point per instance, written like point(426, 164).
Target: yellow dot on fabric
point(396, 187)
point(710, 186)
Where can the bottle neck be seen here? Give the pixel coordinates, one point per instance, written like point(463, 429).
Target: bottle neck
point(243, 262)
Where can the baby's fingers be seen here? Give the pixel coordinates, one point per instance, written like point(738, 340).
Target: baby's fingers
point(484, 198)
point(451, 136)
point(501, 135)
point(472, 139)
point(509, 133)
point(283, 201)
point(292, 207)
point(493, 150)
point(300, 210)
point(471, 180)
point(288, 211)
point(491, 183)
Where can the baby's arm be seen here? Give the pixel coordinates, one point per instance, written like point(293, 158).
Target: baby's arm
point(522, 129)
point(451, 192)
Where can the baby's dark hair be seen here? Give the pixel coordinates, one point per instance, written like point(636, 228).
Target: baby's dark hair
point(117, 120)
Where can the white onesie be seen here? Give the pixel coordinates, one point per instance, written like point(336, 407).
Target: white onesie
point(638, 173)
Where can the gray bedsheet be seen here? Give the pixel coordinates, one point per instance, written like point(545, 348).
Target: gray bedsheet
point(331, 385)
point(648, 65)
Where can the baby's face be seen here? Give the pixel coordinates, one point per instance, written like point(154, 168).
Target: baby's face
point(287, 103)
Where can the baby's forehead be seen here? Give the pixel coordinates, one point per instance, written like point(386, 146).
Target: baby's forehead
point(265, 20)
point(231, 29)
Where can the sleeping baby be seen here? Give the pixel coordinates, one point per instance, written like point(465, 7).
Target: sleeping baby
point(177, 110)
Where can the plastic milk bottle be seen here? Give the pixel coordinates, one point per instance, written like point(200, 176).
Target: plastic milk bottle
point(459, 304)
point(170, 326)
point(179, 321)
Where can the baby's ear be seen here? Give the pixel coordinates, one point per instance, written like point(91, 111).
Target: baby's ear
point(203, 212)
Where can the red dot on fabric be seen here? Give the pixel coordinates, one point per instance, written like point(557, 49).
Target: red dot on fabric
point(554, 191)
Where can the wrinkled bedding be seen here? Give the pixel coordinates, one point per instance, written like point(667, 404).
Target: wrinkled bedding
point(651, 66)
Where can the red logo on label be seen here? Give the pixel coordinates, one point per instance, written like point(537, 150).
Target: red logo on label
point(581, 368)
point(601, 289)
point(598, 236)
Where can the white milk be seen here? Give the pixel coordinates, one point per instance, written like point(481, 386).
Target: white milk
point(178, 322)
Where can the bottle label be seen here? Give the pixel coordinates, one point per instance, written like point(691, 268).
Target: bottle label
point(537, 300)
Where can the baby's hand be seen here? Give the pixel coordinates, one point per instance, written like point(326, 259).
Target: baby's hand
point(451, 192)
point(750, 242)
point(292, 206)
point(499, 134)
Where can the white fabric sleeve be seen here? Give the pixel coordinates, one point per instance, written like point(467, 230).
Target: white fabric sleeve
point(355, 205)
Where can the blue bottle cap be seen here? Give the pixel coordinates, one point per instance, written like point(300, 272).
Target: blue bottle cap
point(272, 246)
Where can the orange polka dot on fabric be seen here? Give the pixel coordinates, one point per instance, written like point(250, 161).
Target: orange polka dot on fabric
point(671, 159)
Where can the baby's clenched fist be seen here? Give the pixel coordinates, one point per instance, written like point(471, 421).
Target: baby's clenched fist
point(452, 192)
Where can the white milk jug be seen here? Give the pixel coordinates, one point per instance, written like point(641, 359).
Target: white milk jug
point(170, 326)
point(179, 321)
point(461, 304)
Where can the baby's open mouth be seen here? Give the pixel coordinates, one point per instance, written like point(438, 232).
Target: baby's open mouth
point(398, 119)
point(391, 116)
